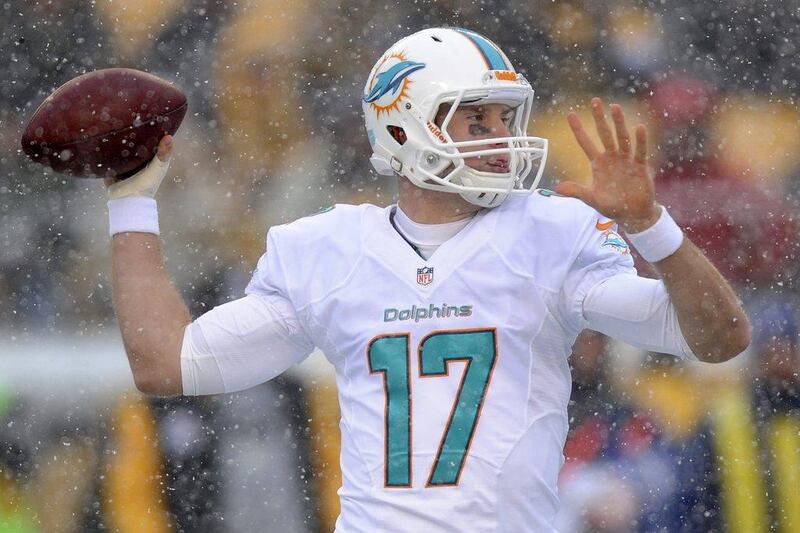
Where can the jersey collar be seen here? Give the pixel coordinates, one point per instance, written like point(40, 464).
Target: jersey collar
point(386, 245)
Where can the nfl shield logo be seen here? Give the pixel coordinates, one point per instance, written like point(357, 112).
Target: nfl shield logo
point(425, 275)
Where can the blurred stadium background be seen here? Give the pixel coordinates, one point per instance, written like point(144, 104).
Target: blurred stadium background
point(274, 132)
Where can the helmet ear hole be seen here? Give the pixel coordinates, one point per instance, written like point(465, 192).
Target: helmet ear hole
point(441, 113)
point(398, 134)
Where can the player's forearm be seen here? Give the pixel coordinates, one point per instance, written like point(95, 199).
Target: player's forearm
point(151, 314)
point(709, 312)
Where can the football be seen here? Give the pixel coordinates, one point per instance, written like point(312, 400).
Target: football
point(106, 123)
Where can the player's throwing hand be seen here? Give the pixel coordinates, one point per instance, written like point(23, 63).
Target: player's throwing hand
point(147, 181)
point(622, 186)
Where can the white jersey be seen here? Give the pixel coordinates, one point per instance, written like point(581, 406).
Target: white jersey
point(452, 372)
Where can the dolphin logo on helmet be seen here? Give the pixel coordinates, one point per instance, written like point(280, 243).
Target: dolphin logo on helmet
point(392, 79)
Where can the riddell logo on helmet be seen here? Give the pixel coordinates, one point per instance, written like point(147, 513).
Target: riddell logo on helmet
point(505, 75)
point(436, 132)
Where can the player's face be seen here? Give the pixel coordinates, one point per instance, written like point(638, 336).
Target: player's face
point(474, 122)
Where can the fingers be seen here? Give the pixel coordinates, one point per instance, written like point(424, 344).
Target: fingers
point(581, 136)
point(574, 190)
point(164, 147)
point(623, 137)
point(603, 129)
point(641, 144)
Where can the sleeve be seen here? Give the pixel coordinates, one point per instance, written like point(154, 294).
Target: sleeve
point(241, 344)
point(246, 342)
point(270, 276)
point(601, 254)
point(637, 311)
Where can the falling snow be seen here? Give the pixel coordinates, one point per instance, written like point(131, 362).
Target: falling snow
point(275, 132)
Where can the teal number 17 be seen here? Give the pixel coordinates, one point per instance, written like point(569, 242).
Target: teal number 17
point(389, 355)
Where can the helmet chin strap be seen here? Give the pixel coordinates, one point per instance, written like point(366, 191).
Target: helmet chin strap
point(470, 178)
point(484, 199)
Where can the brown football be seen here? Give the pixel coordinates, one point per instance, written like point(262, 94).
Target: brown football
point(105, 123)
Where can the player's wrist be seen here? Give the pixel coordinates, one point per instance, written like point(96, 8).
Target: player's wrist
point(637, 225)
point(132, 214)
point(660, 240)
point(132, 205)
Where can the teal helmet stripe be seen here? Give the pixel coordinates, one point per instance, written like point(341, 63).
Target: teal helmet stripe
point(494, 59)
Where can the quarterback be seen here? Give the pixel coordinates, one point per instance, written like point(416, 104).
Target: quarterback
point(449, 316)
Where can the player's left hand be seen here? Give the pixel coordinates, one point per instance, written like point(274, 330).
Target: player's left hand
point(622, 186)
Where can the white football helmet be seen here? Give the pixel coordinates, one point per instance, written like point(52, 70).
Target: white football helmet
point(458, 67)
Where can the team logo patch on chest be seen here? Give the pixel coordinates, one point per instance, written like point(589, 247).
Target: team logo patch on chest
point(425, 275)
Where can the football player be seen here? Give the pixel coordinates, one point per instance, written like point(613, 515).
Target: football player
point(450, 315)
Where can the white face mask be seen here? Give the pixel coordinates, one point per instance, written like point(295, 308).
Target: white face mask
point(443, 165)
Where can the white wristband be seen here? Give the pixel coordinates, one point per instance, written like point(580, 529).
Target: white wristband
point(660, 240)
point(132, 213)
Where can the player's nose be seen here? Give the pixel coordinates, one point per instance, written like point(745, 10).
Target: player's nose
point(498, 126)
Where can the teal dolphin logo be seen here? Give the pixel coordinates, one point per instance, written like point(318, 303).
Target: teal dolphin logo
point(392, 79)
point(615, 242)
point(548, 193)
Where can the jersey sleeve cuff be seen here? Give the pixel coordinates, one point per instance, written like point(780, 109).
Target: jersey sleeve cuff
point(200, 373)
